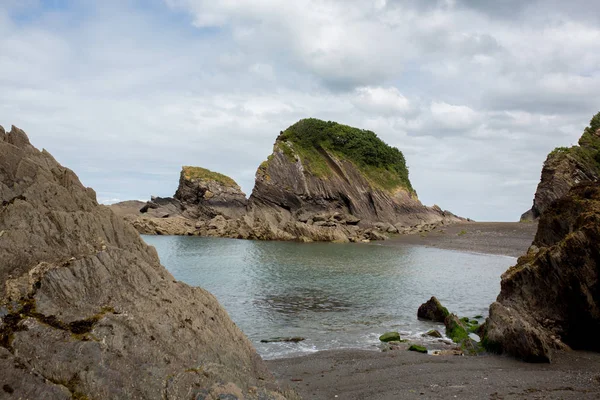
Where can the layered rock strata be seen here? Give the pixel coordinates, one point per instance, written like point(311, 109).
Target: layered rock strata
point(551, 299)
point(88, 312)
point(319, 184)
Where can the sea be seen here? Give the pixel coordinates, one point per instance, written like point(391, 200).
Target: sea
point(335, 296)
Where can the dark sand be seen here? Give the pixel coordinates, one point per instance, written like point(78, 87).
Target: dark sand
point(401, 374)
point(501, 238)
point(359, 374)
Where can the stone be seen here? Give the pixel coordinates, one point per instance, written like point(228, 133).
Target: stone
point(433, 310)
point(550, 300)
point(433, 333)
point(295, 339)
point(390, 337)
point(88, 311)
point(418, 349)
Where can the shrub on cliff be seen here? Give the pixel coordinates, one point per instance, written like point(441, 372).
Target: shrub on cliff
point(383, 164)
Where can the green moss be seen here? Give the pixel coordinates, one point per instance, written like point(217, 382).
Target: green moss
point(390, 337)
point(588, 150)
point(461, 233)
point(203, 173)
point(417, 348)
point(455, 330)
point(383, 165)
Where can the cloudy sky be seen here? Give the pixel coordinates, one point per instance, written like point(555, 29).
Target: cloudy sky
point(474, 92)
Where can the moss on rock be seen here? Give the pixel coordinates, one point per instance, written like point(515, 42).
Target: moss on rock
point(191, 173)
point(383, 165)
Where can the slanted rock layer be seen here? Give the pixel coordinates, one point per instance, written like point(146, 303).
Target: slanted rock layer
point(86, 309)
point(319, 184)
point(551, 299)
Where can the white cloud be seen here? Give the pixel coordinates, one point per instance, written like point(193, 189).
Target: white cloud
point(379, 100)
point(473, 92)
point(447, 116)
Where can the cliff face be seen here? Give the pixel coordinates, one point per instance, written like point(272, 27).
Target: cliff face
point(551, 298)
point(86, 309)
point(204, 189)
point(566, 167)
point(324, 167)
point(323, 182)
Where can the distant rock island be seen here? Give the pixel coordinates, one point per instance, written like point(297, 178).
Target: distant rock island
point(324, 181)
point(566, 167)
point(88, 312)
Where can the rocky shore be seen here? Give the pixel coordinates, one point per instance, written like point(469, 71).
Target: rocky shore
point(88, 312)
point(315, 186)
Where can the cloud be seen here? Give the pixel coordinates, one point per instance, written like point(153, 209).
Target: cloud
point(474, 93)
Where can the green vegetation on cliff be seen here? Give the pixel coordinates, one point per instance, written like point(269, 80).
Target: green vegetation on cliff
point(588, 151)
point(310, 138)
point(202, 173)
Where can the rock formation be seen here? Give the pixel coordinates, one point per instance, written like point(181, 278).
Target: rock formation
point(433, 310)
point(88, 312)
point(566, 167)
point(551, 299)
point(323, 182)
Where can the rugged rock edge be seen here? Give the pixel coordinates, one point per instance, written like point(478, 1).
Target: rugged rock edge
point(551, 299)
point(88, 312)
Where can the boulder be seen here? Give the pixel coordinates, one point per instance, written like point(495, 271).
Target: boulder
point(88, 311)
point(550, 300)
point(390, 337)
point(433, 310)
point(433, 333)
point(418, 349)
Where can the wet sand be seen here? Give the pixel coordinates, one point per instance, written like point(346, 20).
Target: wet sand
point(401, 374)
point(501, 238)
point(359, 374)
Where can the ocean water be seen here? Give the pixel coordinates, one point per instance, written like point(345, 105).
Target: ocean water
point(334, 295)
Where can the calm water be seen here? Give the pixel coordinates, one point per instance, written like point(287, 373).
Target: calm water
point(334, 295)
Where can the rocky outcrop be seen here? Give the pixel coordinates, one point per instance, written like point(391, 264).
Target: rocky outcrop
point(551, 299)
point(206, 193)
point(566, 167)
point(322, 167)
point(323, 182)
point(433, 310)
point(86, 309)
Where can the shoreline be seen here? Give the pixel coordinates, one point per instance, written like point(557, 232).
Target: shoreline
point(511, 239)
point(401, 374)
point(363, 374)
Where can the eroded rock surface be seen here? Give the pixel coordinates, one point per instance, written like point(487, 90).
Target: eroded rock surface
point(551, 299)
point(566, 167)
point(86, 309)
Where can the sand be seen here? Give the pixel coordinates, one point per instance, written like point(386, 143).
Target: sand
point(401, 374)
point(500, 238)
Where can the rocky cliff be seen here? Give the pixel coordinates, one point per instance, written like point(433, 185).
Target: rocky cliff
point(88, 312)
point(551, 299)
point(324, 181)
point(329, 175)
point(565, 167)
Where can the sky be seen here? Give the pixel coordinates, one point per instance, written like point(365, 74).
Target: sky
point(475, 93)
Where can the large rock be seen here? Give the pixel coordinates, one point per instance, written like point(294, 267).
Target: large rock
point(342, 185)
point(551, 299)
point(433, 310)
point(86, 309)
point(566, 167)
point(324, 167)
point(208, 189)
